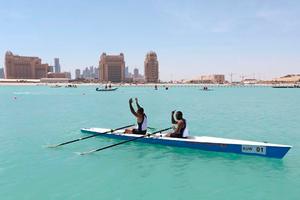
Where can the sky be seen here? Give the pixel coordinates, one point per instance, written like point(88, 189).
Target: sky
point(251, 38)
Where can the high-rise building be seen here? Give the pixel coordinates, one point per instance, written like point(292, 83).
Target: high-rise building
point(1, 73)
point(24, 67)
point(90, 73)
point(136, 73)
point(57, 65)
point(77, 74)
point(112, 68)
point(96, 73)
point(151, 67)
point(127, 72)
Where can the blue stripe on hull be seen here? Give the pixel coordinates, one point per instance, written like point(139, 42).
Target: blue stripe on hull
point(273, 152)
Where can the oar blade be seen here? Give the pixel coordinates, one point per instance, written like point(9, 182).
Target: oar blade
point(87, 152)
point(51, 146)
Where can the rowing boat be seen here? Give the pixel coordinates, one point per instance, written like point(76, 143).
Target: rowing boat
point(206, 143)
point(106, 90)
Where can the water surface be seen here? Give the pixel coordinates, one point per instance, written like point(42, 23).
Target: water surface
point(33, 116)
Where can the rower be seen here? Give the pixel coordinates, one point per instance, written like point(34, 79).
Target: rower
point(141, 119)
point(179, 123)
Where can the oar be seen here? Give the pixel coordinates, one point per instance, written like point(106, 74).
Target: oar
point(83, 138)
point(113, 145)
point(151, 128)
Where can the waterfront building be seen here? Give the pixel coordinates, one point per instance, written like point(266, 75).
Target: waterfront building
point(77, 74)
point(112, 68)
point(214, 78)
point(57, 65)
point(249, 81)
point(89, 73)
point(151, 68)
point(127, 72)
point(96, 73)
point(136, 73)
point(290, 78)
point(1, 73)
point(68, 75)
point(50, 68)
point(65, 75)
point(24, 67)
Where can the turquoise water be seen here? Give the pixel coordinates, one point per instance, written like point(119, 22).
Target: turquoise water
point(41, 115)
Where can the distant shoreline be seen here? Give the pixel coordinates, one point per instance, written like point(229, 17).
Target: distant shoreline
point(142, 85)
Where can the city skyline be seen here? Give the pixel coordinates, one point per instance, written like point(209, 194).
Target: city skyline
point(255, 38)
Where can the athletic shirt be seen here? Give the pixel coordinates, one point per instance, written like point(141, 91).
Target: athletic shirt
point(143, 125)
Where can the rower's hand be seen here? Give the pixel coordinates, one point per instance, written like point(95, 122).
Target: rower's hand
point(130, 101)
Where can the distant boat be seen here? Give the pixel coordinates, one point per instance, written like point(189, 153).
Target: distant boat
point(206, 89)
point(55, 86)
point(105, 90)
point(286, 86)
point(71, 86)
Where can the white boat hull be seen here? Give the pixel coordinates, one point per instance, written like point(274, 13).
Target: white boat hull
point(204, 143)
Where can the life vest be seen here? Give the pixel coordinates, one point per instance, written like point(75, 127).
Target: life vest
point(184, 131)
point(142, 126)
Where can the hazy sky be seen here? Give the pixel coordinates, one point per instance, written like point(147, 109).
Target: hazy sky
point(191, 38)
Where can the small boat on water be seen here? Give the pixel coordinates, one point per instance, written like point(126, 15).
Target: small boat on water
point(205, 143)
point(105, 89)
point(206, 89)
point(286, 86)
point(55, 86)
point(71, 86)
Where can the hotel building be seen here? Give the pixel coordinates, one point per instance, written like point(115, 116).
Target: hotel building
point(24, 67)
point(151, 67)
point(215, 78)
point(112, 68)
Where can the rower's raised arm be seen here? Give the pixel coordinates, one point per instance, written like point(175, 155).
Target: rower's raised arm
point(137, 103)
point(131, 108)
point(172, 117)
